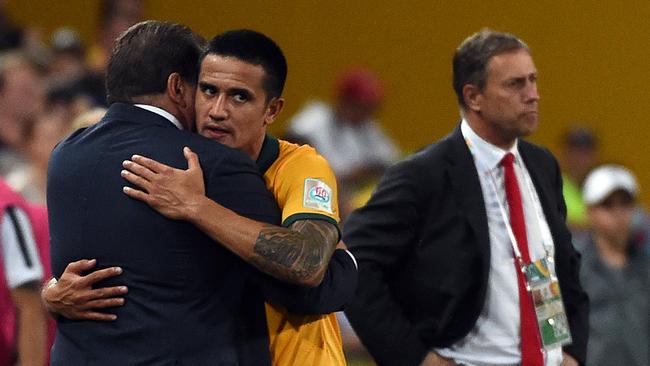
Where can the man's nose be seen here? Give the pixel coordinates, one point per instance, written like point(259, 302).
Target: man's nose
point(218, 109)
point(531, 92)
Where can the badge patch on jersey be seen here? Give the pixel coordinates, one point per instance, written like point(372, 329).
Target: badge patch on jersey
point(317, 195)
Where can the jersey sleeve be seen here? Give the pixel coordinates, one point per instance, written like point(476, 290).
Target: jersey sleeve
point(19, 252)
point(306, 189)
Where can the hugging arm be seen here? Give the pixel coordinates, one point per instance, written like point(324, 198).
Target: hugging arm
point(74, 297)
point(297, 254)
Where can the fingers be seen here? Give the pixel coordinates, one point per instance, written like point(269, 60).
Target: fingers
point(150, 164)
point(139, 170)
point(138, 195)
point(94, 315)
point(104, 303)
point(106, 292)
point(89, 300)
point(136, 180)
point(100, 275)
point(80, 266)
point(192, 159)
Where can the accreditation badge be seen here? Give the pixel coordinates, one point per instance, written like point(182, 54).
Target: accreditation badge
point(551, 317)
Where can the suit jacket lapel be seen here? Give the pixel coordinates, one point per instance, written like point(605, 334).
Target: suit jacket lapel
point(467, 191)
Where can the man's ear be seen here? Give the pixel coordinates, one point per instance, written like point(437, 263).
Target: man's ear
point(273, 109)
point(177, 89)
point(473, 97)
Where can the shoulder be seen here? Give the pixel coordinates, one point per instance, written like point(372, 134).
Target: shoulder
point(540, 159)
point(536, 152)
point(297, 164)
point(212, 149)
point(215, 158)
point(299, 154)
point(428, 161)
point(8, 196)
point(418, 177)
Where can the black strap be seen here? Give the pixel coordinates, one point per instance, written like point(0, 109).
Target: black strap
point(22, 244)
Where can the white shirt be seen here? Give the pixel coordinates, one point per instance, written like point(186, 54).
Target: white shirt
point(163, 113)
point(346, 147)
point(495, 338)
point(18, 249)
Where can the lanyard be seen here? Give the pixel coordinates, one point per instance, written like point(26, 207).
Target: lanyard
point(547, 241)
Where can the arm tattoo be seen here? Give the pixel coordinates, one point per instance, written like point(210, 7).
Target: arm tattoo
point(296, 253)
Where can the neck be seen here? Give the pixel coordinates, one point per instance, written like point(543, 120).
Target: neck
point(153, 100)
point(612, 251)
point(256, 149)
point(162, 102)
point(487, 131)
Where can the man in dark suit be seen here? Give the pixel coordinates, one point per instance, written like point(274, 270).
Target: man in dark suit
point(190, 301)
point(441, 242)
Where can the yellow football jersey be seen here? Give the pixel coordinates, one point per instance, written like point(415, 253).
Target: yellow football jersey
point(304, 187)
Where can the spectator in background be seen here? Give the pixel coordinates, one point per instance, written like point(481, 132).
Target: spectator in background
point(22, 98)
point(70, 76)
point(23, 322)
point(615, 272)
point(41, 132)
point(41, 135)
point(115, 17)
point(16, 38)
point(580, 153)
point(347, 134)
point(68, 55)
point(579, 156)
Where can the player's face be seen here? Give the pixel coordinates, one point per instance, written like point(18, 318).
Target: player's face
point(231, 103)
point(509, 99)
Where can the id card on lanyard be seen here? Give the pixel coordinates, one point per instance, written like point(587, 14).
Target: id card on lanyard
point(544, 288)
point(541, 282)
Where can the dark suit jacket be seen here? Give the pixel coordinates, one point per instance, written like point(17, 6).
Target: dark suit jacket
point(423, 250)
point(190, 301)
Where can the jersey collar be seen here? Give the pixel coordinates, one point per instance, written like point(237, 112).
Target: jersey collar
point(269, 153)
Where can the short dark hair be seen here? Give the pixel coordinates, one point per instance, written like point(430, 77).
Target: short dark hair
point(473, 55)
point(146, 54)
point(254, 48)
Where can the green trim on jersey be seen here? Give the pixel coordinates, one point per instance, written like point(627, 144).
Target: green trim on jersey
point(311, 216)
point(269, 153)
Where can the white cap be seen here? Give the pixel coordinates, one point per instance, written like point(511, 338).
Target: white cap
point(605, 180)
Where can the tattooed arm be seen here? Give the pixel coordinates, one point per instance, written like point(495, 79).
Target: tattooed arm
point(297, 254)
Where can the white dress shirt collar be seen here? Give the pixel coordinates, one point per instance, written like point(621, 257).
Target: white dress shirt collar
point(163, 113)
point(490, 155)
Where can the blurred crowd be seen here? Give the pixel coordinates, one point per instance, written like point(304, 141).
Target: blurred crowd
point(50, 87)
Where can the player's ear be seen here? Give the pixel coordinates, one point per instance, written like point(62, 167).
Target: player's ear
point(273, 109)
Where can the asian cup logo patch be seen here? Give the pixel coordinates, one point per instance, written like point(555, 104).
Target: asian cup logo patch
point(317, 195)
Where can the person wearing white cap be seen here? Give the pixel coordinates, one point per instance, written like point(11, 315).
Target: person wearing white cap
point(615, 271)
